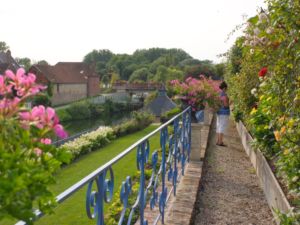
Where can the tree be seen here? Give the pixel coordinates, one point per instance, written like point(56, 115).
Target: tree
point(140, 75)
point(103, 55)
point(114, 77)
point(220, 69)
point(24, 62)
point(42, 62)
point(3, 46)
point(101, 68)
point(161, 74)
point(165, 74)
point(105, 80)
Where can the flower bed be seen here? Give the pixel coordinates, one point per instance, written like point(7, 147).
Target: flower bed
point(103, 135)
point(90, 141)
point(264, 84)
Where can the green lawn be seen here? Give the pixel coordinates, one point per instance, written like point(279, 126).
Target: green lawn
point(72, 211)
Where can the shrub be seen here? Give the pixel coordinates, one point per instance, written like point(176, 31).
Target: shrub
point(89, 142)
point(139, 121)
point(266, 87)
point(27, 158)
point(41, 100)
point(169, 114)
point(63, 115)
point(79, 110)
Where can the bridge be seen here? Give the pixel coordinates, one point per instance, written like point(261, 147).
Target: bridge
point(192, 181)
point(137, 88)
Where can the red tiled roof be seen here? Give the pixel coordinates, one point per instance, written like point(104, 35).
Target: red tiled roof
point(67, 72)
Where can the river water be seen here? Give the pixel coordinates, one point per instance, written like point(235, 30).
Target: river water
point(74, 127)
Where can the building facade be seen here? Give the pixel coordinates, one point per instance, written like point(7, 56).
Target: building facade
point(69, 81)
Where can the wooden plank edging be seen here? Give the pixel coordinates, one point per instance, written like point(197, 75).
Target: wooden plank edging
point(273, 192)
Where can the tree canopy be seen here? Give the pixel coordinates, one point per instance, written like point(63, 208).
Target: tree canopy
point(154, 64)
point(3, 46)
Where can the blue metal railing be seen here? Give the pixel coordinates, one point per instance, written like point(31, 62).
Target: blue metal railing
point(179, 146)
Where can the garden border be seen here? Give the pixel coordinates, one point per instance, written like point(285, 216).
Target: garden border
point(275, 196)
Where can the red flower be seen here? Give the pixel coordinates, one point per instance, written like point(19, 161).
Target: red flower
point(263, 72)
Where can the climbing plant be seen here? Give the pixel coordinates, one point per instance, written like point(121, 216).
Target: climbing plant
point(266, 87)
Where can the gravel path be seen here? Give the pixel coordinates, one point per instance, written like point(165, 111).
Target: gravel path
point(230, 191)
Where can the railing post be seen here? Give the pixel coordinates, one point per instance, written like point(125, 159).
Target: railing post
point(96, 199)
point(163, 143)
point(142, 157)
point(175, 143)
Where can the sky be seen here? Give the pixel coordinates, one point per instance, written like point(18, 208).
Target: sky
point(66, 30)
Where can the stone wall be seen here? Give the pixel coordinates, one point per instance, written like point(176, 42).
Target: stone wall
point(66, 93)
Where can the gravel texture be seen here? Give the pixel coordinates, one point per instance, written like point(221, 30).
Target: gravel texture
point(230, 192)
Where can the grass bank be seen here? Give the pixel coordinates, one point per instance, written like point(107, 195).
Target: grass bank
point(72, 211)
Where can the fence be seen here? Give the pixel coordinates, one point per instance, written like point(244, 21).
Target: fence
point(167, 167)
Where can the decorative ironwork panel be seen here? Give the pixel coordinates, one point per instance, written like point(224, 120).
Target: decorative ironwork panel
point(167, 164)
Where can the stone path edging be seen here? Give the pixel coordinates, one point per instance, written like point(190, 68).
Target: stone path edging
point(181, 207)
point(273, 192)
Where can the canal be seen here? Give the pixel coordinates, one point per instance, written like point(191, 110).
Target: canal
point(74, 127)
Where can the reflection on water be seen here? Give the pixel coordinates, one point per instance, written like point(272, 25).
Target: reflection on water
point(73, 127)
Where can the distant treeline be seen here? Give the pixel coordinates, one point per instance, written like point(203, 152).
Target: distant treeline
point(154, 64)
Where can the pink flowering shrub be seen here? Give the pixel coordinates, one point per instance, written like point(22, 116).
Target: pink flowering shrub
point(27, 158)
point(198, 93)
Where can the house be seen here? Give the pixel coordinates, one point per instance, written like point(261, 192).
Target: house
point(7, 62)
point(70, 81)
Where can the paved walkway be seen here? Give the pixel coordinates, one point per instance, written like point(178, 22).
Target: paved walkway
point(230, 191)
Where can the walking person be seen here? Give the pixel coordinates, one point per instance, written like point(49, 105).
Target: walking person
point(222, 115)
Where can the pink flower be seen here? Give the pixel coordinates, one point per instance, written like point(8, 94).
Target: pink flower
point(59, 131)
point(174, 82)
point(43, 118)
point(46, 141)
point(22, 83)
point(37, 151)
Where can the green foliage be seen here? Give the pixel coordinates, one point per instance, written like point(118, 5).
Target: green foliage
point(263, 72)
point(290, 218)
point(105, 80)
point(103, 55)
point(169, 114)
point(140, 75)
point(116, 206)
point(205, 67)
point(42, 62)
point(79, 110)
point(165, 74)
point(143, 65)
point(264, 138)
point(24, 62)
point(63, 115)
point(139, 121)
point(3, 46)
point(41, 100)
point(70, 174)
point(24, 175)
point(85, 109)
point(220, 69)
point(150, 97)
